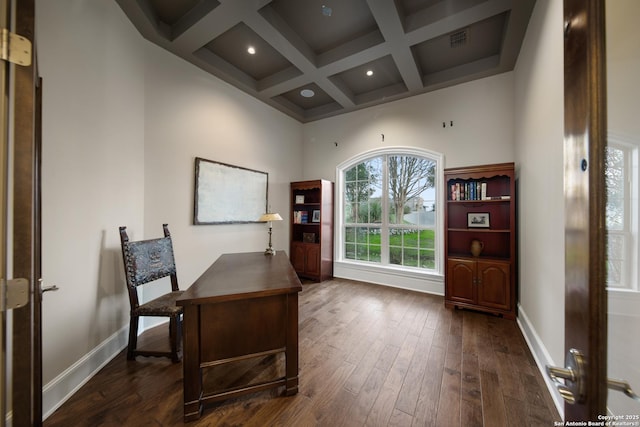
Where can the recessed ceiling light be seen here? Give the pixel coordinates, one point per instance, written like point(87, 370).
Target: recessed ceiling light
point(326, 10)
point(307, 93)
point(251, 50)
point(369, 73)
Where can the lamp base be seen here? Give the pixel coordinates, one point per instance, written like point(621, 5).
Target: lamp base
point(270, 250)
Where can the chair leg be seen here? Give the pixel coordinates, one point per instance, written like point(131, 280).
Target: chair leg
point(133, 337)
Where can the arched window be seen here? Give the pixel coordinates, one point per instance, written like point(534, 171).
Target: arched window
point(388, 209)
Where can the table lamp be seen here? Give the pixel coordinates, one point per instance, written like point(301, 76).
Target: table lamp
point(269, 217)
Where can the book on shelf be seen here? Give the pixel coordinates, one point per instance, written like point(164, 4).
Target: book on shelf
point(300, 217)
point(472, 190)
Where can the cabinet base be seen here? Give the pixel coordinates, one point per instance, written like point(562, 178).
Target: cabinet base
point(501, 313)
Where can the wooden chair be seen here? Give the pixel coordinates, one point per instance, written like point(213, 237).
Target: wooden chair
point(147, 261)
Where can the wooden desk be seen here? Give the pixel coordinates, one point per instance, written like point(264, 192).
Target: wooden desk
point(245, 305)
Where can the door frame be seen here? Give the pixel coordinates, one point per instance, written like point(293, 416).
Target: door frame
point(585, 128)
point(4, 190)
point(21, 242)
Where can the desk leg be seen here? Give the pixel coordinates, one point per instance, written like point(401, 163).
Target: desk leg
point(292, 345)
point(192, 381)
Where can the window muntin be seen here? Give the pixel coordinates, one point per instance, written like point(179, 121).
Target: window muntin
point(395, 226)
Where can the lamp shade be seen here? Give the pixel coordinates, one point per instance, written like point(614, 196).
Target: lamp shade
point(270, 217)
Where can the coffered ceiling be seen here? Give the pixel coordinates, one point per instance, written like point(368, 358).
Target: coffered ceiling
point(328, 47)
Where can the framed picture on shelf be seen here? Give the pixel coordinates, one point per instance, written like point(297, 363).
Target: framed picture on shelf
point(299, 199)
point(309, 237)
point(478, 220)
point(316, 216)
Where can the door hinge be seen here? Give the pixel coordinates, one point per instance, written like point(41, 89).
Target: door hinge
point(17, 293)
point(15, 48)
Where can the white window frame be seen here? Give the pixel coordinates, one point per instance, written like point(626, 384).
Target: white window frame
point(391, 269)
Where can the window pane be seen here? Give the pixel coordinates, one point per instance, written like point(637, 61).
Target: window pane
point(350, 251)
point(350, 234)
point(362, 252)
point(411, 189)
point(363, 213)
point(395, 255)
point(374, 253)
point(615, 181)
point(395, 237)
point(615, 260)
point(427, 239)
point(615, 246)
point(410, 257)
point(615, 214)
point(410, 238)
point(427, 259)
point(614, 273)
point(362, 235)
point(350, 175)
point(361, 188)
point(374, 236)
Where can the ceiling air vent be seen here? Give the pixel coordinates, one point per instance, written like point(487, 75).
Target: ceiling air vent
point(459, 38)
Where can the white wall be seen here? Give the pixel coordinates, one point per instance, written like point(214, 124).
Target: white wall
point(539, 133)
point(190, 114)
point(482, 132)
point(123, 121)
point(92, 172)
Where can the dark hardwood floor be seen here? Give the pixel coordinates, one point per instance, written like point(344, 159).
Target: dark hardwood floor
point(369, 355)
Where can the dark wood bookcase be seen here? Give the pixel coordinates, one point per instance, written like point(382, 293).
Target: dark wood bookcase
point(311, 219)
point(481, 206)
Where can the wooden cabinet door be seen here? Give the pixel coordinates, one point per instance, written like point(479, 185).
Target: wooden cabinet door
point(312, 260)
point(461, 277)
point(493, 278)
point(298, 257)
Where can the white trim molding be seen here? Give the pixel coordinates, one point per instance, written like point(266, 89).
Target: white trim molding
point(389, 276)
point(541, 356)
point(62, 387)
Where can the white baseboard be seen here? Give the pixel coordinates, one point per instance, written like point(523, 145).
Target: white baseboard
point(62, 387)
point(540, 355)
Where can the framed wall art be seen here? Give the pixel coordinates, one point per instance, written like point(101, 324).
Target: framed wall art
point(478, 220)
point(228, 194)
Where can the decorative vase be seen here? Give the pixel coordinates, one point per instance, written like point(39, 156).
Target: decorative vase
point(476, 247)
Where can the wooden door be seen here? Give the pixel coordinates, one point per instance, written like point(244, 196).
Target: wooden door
point(584, 189)
point(297, 256)
point(494, 284)
point(312, 260)
point(461, 279)
point(24, 381)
